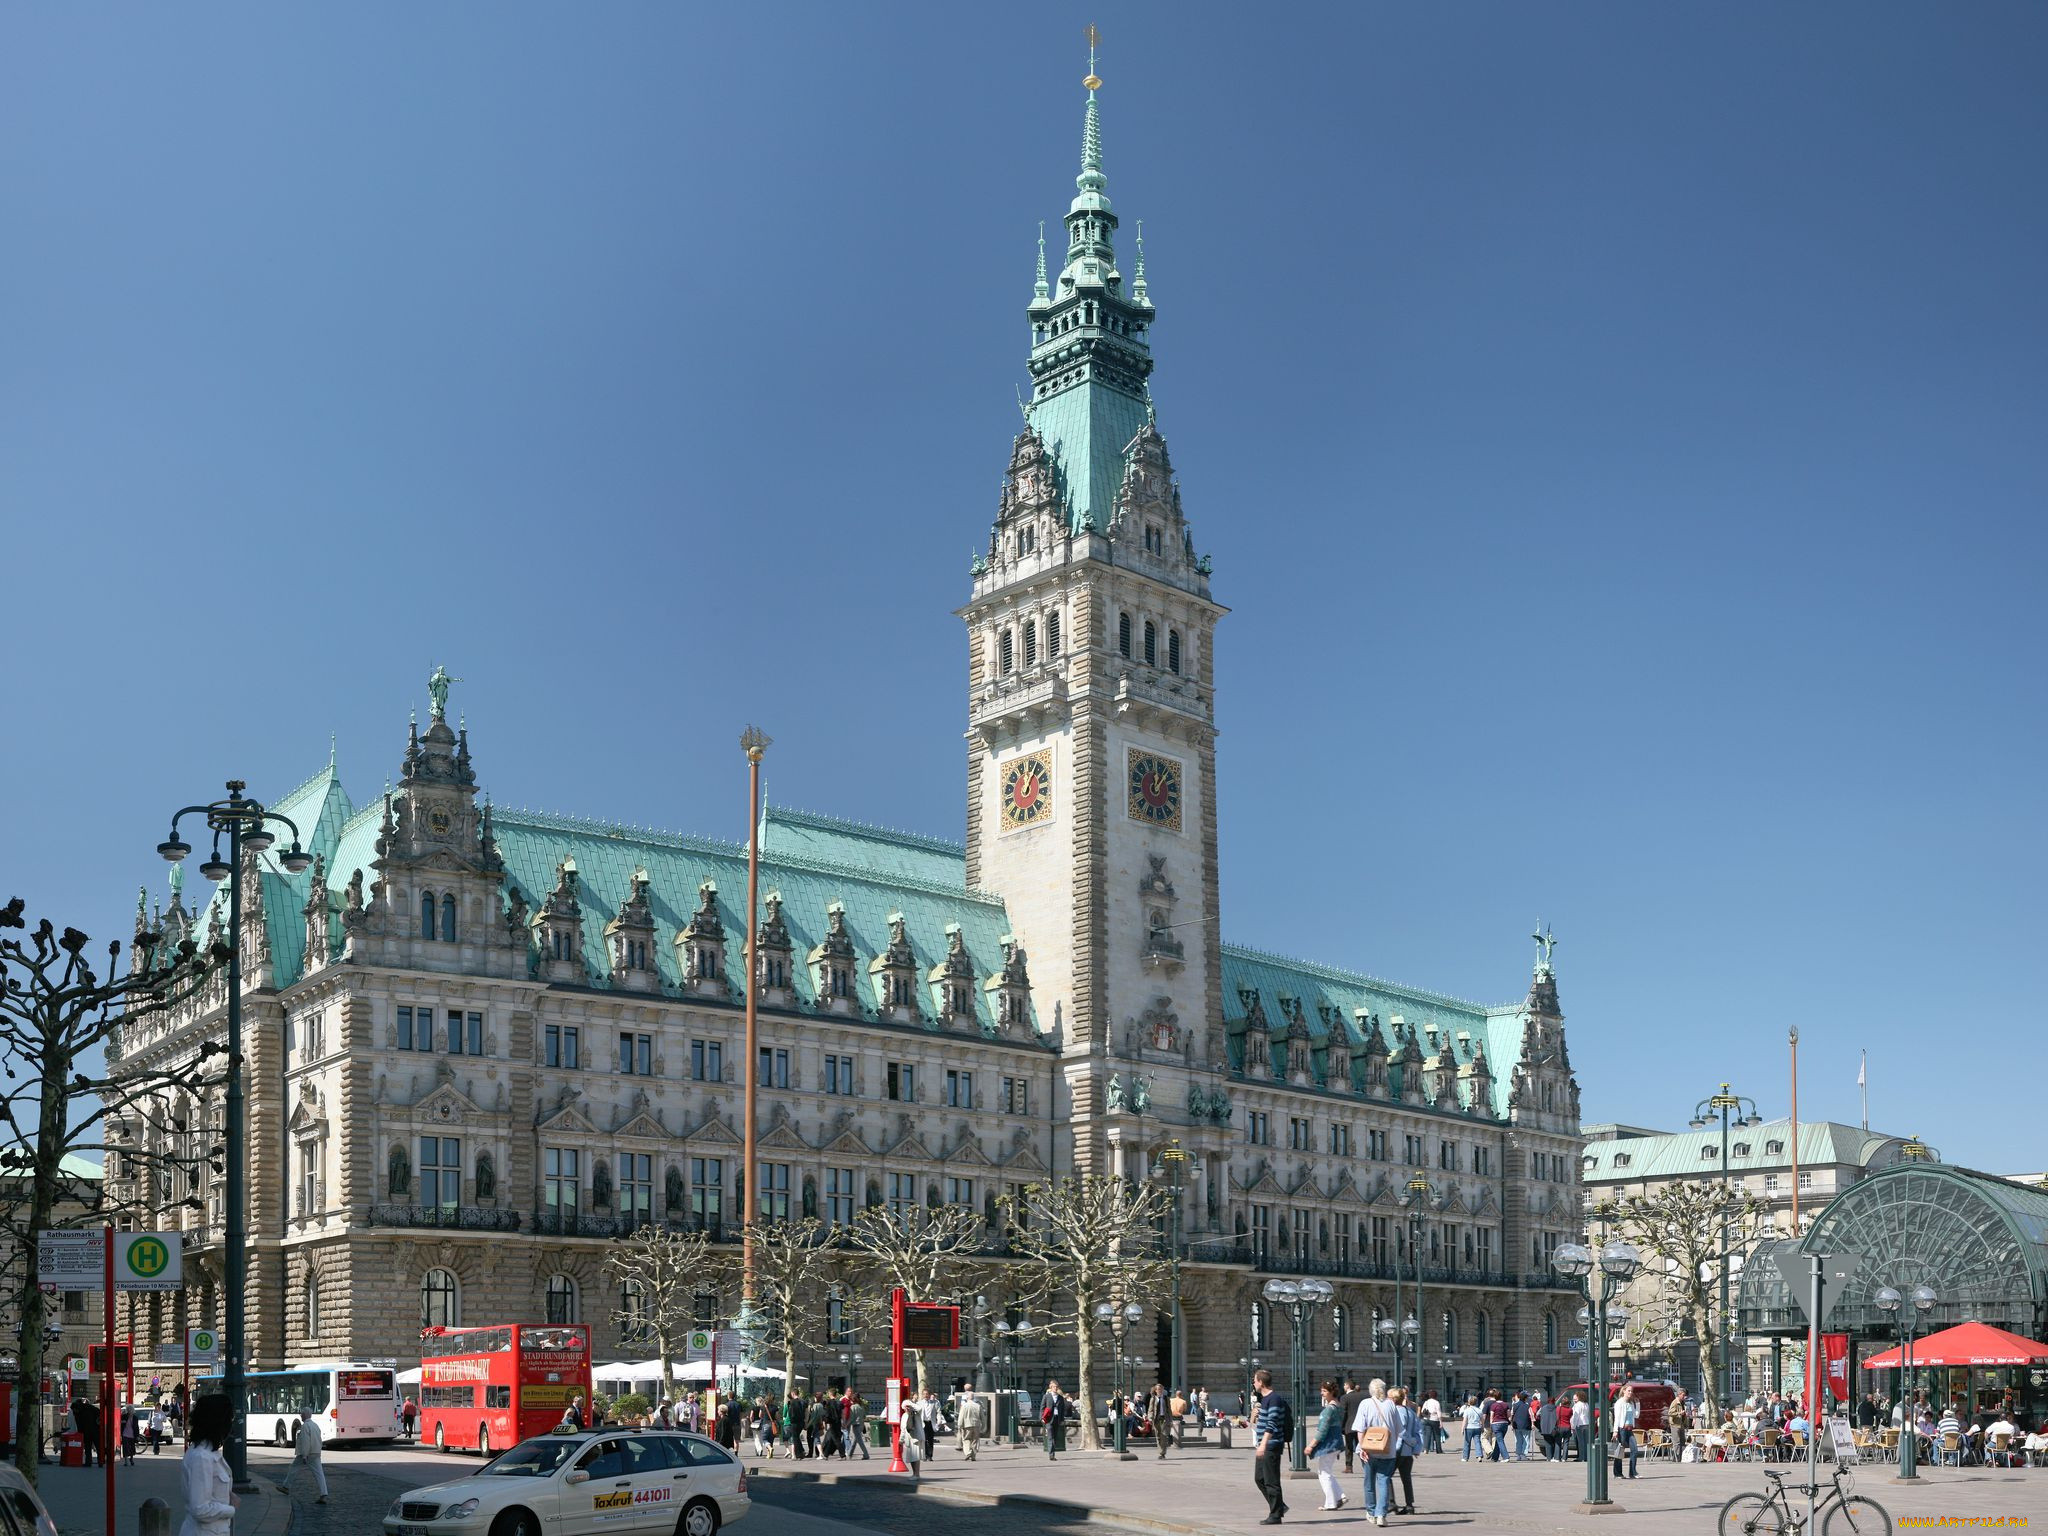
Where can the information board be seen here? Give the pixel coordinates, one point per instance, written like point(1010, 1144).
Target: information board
point(930, 1327)
point(75, 1260)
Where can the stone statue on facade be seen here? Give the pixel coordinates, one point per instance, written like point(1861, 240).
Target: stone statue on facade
point(1141, 1094)
point(1116, 1093)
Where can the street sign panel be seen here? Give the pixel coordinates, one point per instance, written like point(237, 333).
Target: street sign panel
point(77, 1368)
point(203, 1344)
point(730, 1344)
point(1575, 1346)
point(75, 1259)
point(1797, 1270)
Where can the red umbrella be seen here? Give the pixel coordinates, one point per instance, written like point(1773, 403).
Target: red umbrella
point(1965, 1344)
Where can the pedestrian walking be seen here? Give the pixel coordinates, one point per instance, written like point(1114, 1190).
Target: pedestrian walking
point(1518, 1418)
point(1159, 1409)
point(857, 1423)
point(1627, 1413)
point(969, 1418)
point(210, 1499)
point(910, 1434)
point(1052, 1413)
point(1433, 1425)
point(1498, 1418)
point(131, 1431)
point(1582, 1426)
point(1354, 1394)
point(306, 1453)
point(1378, 1426)
point(573, 1415)
point(409, 1419)
point(1473, 1418)
point(1327, 1445)
point(85, 1418)
point(1407, 1446)
point(1202, 1408)
point(1547, 1427)
point(158, 1428)
point(1271, 1430)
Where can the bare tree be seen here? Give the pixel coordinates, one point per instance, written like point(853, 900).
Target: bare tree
point(666, 1270)
point(792, 1260)
point(930, 1251)
point(1089, 1239)
point(1680, 1229)
point(56, 1012)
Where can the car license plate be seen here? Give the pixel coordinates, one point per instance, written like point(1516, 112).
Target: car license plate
point(412, 1530)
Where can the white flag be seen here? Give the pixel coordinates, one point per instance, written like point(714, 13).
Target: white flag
point(1859, 1068)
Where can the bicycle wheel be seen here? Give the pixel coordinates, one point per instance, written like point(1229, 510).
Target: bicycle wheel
point(1857, 1516)
point(1752, 1514)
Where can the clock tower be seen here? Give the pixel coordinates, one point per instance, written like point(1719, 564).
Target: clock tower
point(1091, 805)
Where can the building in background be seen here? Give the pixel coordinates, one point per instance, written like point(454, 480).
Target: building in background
point(485, 1043)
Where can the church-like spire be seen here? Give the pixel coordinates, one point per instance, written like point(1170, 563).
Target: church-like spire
point(1138, 294)
point(1040, 290)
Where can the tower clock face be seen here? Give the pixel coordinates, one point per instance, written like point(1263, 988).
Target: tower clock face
point(1027, 790)
point(1153, 789)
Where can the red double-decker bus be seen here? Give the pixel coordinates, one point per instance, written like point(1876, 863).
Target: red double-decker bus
point(492, 1387)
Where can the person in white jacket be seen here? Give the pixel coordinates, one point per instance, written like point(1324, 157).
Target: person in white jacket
point(306, 1453)
point(210, 1501)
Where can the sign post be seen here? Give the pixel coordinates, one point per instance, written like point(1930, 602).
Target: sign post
point(896, 1309)
point(108, 1408)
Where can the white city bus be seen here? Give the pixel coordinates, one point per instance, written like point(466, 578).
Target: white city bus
point(352, 1401)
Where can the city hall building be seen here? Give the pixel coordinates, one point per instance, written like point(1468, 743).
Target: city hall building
point(482, 1045)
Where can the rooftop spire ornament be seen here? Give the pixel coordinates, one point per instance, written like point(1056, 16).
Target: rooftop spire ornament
point(1091, 178)
point(1094, 36)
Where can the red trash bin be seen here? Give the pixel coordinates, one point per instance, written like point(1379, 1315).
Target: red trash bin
point(71, 1449)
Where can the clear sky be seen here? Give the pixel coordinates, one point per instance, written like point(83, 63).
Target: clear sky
point(1621, 432)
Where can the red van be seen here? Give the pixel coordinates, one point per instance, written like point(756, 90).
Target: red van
point(1654, 1396)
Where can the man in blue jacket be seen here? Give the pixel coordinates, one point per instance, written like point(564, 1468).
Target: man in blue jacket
point(1271, 1431)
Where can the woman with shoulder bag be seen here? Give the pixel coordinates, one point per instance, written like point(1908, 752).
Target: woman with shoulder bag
point(1326, 1448)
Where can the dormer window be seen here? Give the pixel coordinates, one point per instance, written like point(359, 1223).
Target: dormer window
point(1709, 1152)
point(1621, 1160)
point(1742, 1149)
point(1774, 1148)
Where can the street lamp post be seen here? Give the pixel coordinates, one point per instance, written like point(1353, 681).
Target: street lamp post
point(1908, 1319)
point(754, 743)
point(1419, 1192)
point(1745, 1113)
point(1119, 1321)
point(850, 1360)
point(1302, 1299)
point(1599, 1279)
point(1386, 1328)
point(245, 823)
point(1171, 1166)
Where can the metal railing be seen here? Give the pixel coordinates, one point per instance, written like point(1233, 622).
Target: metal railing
point(459, 1218)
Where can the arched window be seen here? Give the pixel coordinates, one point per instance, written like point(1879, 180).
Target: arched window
point(1030, 643)
point(426, 914)
point(1340, 1329)
point(448, 918)
point(1450, 1333)
point(1123, 633)
point(312, 1306)
point(1052, 637)
point(635, 1321)
point(1550, 1333)
point(561, 1299)
point(1173, 650)
point(1006, 652)
point(440, 1301)
point(1151, 644)
point(1479, 1332)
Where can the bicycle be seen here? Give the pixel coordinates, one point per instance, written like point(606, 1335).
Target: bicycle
point(1841, 1513)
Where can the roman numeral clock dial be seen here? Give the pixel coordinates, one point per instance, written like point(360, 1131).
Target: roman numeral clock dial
point(1153, 790)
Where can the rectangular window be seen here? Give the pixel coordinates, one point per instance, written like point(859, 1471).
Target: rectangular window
point(1340, 1140)
point(1302, 1222)
point(1412, 1151)
point(1482, 1160)
point(1343, 1225)
point(1300, 1134)
point(636, 1188)
point(1770, 1183)
point(959, 1089)
point(1020, 1205)
point(902, 1197)
point(405, 1028)
point(561, 1182)
point(1447, 1155)
point(903, 1082)
point(839, 1074)
point(707, 1193)
point(1258, 1127)
point(636, 1054)
point(1016, 1095)
point(839, 1197)
point(440, 1170)
point(1486, 1249)
point(1379, 1240)
point(774, 1067)
point(961, 1192)
point(1468, 1246)
point(475, 1025)
point(1262, 1230)
point(1806, 1178)
point(773, 1204)
point(707, 1061)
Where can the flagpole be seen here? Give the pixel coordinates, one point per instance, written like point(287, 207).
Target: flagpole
point(1863, 1087)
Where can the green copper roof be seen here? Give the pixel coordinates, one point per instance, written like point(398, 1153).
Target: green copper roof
point(1086, 428)
point(1751, 1149)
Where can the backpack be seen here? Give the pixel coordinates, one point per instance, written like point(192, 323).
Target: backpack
point(1283, 1415)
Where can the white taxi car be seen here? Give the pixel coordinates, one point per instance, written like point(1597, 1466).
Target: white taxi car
point(601, 1482)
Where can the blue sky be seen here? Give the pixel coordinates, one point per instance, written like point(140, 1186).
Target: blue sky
point(1618, 430)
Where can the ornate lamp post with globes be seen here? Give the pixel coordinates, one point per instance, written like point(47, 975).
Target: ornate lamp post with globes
point(1724, 1104)
point(246, 824)
point(1908, 1318)
point(1119, 1321)
point(1301, 1299)
point(1599, 1279)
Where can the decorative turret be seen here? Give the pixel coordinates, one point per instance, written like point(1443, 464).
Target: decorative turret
point(952, 981)
point(1258, 1036)
point(1544, 1092)
point(1407, 1065)
point(700, 947)
point(1009, 990)
point(558, 926)
point(772, 954)
point(1375, 1050)
point(894, 973)
point(1336, 1049)
point(1301, 1069)
point(629, 937)
point(1477, 1077)
point(318, 914)
point(831, 961)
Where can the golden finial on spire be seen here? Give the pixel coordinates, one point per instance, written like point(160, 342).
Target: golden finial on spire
point(1094, 36)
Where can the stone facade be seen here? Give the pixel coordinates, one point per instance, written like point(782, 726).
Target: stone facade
point(485, 1044)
